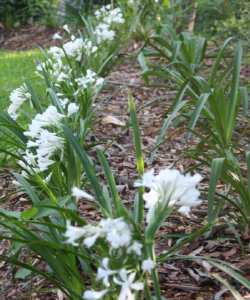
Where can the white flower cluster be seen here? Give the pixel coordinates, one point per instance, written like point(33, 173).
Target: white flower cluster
point(42, 144)
point(123, 279)
point(117, 234)
point(108, 17)
point(70, 83)
point(17, 98)
point(115, 231)
point(170, 188)
point(60, 72)
point(56, 69)
point(90, 79)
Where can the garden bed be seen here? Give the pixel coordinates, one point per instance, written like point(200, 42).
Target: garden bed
point(180, 280)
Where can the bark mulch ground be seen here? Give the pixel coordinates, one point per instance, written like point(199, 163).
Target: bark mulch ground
point(28, 37)
point(180, 280)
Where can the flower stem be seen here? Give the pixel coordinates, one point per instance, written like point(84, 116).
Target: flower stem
point(154, 273)
point(147, 291)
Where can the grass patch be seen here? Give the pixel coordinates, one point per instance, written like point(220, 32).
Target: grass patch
point(15, 68)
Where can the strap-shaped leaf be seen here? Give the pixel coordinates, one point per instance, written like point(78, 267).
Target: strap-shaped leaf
point(89, 170)
point(216, 170)
point(139, 205)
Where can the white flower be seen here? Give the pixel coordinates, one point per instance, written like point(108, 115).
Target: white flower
point(103, 33)
point(171, 188)
point(94, 295)
point(91, 235)
point(56, 36)
point(62, 76)
point(109, 15)
point(47, 144)
point(89, 232)
point(89, 47)
point(72, 109)
point(56, 52)
point(28, 163)
point(44, 143)
point(74, 48)
point(78, 193)
point(103, 272)
point(114, 16)
point(17, 98)
point(147, 179)
point(136, 248)
point(148, 265)
point(128, 284)
point(66, 28)
point(117, 232)
point(50, 117)
point(99, 81)
point(64, 102)
point(90, 79)
point(44, 163)
point(74, 233)
point(91, 240)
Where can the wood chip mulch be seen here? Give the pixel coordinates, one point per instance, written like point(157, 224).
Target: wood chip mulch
point(180, 280)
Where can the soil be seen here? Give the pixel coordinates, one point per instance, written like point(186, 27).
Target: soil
point(28, 37)
point(180, 280)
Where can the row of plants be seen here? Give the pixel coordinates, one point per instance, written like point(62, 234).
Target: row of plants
point(112, 257)
point(209, 99)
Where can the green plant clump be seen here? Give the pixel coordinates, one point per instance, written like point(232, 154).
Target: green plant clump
point(17, 12)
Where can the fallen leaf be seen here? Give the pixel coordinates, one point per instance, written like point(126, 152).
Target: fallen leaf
point(113, 120)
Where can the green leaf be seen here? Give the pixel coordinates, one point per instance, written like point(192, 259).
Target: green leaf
point(7, 122)
point(29, 190)
point(166, 124)
point(34, 98)
point(245, 99)
point(234, 96)
point(9, 213)
point(196, 114)
point(136, 136)
point(112, 185)
point(219, 264)
point(234, 292)
point(216, 170)
point(230, 271)
point(89, 170)
point(29, 213)
point(216, 65)
point(160, 215)
point(139, 205)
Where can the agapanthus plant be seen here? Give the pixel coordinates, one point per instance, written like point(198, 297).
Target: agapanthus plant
point(73, 73)
point(127, 251)
point(111, 258)
point(114, 256)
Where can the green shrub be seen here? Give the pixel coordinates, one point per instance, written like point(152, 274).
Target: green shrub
point(223, 18)
point(16, 12)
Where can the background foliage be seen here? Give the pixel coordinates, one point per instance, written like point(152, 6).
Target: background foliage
point(16, 12)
